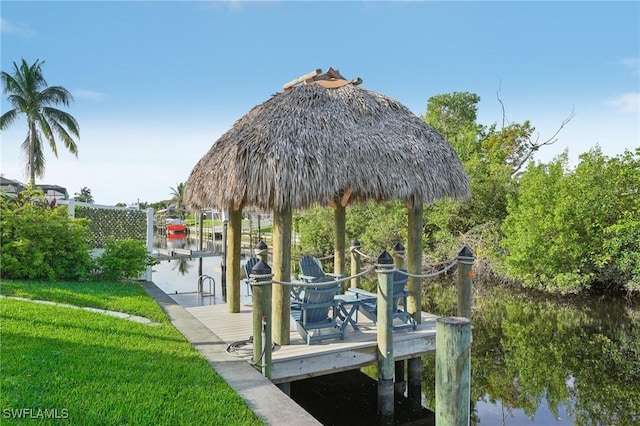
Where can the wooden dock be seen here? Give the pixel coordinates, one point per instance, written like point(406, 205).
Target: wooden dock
point(172, 254)
point(300, 361)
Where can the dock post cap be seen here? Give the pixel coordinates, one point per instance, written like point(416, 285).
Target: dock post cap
point(465, 252)
point(385, 259)
point(261, 268)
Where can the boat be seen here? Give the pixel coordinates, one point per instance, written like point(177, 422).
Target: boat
point(175, 225)
point(177, 240)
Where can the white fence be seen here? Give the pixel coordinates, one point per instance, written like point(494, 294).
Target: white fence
point(72, 204)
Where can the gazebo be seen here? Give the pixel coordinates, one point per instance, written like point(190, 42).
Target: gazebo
point(323, 140)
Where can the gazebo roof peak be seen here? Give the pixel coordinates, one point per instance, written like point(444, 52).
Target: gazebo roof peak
point(329, 79)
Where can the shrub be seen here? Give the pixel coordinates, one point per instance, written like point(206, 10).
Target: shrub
point(123, 259)
point(568, 231)
point(39, 242)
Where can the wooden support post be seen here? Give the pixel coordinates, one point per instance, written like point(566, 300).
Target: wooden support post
point(149, 272)
point(414, 301)
point(225, 253)
point(398, 256)
point(200, 241)
point(260, 278)
point(234, 235)
point(281, 272)
point(339, 252)
point(465, 276)
point(355, 263)
point(400, 385)
point(453, 371)
point(385, 336)
point(201, 232)
point(285, 387)
point(71, 207)
point(414, 261)
point(262, 251)
point(213, 230)
point(259, 229)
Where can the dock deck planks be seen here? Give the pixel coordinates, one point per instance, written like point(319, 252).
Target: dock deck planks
point(298, 360)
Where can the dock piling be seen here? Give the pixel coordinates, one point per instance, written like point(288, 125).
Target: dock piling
point(355, 263)
point(261, 277)
point(453, 371)
point(400, 377)
point(385, 335)
point(465, 275)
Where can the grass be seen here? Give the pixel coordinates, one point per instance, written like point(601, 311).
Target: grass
point(123, 297)
point(99, 370)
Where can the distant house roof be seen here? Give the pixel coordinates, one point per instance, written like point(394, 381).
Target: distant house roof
point(12, 186)
point(54, 190)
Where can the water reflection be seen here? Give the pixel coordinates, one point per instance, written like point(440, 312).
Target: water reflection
point(539, 361)
point(181, 275)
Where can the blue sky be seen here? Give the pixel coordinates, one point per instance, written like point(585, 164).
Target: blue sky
point(156, 83)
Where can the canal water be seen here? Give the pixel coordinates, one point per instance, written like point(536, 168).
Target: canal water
point(536, 360)
point(181, 276)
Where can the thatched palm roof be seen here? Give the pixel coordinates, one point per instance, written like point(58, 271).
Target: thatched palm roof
point(305, 145)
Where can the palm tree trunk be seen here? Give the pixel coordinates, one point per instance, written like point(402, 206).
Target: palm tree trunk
point(32, 154)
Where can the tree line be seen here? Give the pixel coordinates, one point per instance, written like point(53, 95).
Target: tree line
point(544, 226)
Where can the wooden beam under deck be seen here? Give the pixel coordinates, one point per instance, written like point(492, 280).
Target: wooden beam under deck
point(298, 360)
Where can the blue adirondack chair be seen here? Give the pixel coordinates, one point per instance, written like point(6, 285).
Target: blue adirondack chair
point(315, 314)
point(312, 271)
point(248, 266)
point(369, 304)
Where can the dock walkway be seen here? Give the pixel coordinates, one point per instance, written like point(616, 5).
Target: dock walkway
point(298, 360)
point(263, 397)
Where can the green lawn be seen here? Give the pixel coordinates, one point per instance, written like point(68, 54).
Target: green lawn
point(99, 370)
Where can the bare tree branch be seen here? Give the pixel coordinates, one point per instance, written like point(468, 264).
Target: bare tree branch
point(534, 146)
point(504, 114)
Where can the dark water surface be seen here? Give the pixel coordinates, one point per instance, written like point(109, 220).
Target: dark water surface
point(535, 360)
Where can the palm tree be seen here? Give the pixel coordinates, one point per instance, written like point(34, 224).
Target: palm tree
point(84, 195)
point(177, 195)
point(29, 95)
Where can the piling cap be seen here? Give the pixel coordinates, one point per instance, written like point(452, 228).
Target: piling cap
point(465, 252)
point(385, 258)
point(398, 247)
point(261, 268)
point(355, 243)
point(261, 245)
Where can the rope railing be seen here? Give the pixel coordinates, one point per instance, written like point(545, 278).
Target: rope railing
point(325, 258)
point(366, 256)
point(254, 280)
point(442, 262)
point(257, 280)
point(432, 274)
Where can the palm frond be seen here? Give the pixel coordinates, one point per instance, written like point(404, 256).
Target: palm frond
point(62, 118)
point(7, 118)
point(45, 127)
point(67, 140)
point(18, 102)
point(55, 95)
point(11, 85)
